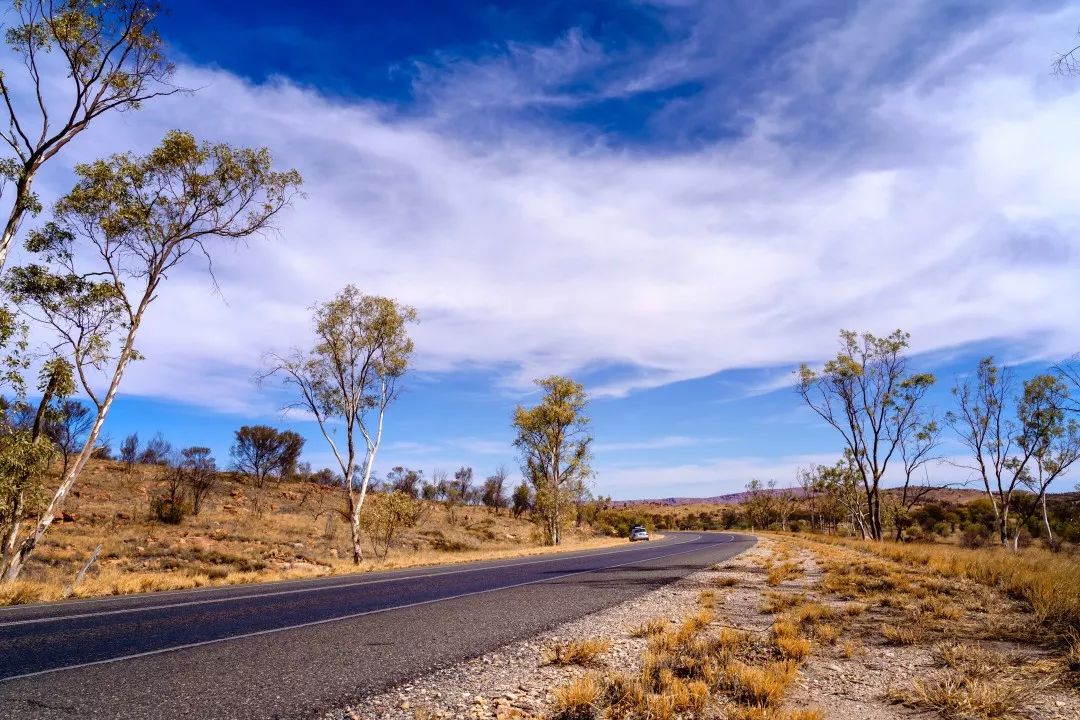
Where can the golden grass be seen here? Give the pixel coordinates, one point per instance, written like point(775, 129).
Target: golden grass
point(1072, 653)
point(725, 582)
point(579, 699)
point(972, 661)
point(759, 685)
point(736, 712)
point(775, 602)
point(957, 697)
point(792, 648)
point(1046, 582)
point(898, 635)
point(783, 572)
point(649, 628)
point(585, 652)
point(707, 599)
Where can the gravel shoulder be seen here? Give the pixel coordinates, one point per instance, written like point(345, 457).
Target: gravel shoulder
point(853, 671)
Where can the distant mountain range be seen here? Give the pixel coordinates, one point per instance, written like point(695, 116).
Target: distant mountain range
point(729, 499)
point(938, 494)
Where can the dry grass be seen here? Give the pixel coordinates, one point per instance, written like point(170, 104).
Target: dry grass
point(707, 599)
point(972, 661)
point(1072, 653)
point(725, 582)
point(782, 572)
point(898, 635)
point(775, 602)
point(1046, 582)
point(957, 697)
point(580, 699)
point(753, 713)
point(650, 628)
point(759, 685)
point(584, 652)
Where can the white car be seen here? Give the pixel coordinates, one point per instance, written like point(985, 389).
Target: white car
point(638, 533)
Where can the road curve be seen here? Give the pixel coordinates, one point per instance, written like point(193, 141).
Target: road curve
point(297, 649)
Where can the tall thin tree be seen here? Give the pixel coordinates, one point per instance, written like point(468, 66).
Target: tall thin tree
point(127, 223)
point(351, 373)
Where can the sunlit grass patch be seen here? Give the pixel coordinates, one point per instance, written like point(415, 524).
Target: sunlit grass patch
point(585, 652)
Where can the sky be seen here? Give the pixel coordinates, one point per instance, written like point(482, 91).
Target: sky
point(674, 202)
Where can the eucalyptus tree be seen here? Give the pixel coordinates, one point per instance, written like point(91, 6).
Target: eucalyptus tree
point(112, 59)
point(265, 454)
point(128, 222)
point(918, 447)
point(554, 438)
point(350, 376)
point(1052, 438)
point(868, 394)
point(1006, 432)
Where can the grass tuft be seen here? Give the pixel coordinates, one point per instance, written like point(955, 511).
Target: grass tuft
point(583, 652)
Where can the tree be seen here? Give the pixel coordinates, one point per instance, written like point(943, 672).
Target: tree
point(362, 349)
point(129, 450)
point(917, 445)
point(125, 226)
point(199, 471)
point(402, 479)
point(554, 438)
point(869, 396)
point(389, 514)
point(67, 429)
point(454, 492)
point(157, 451)
point(493, 494)
point(1055, 441)
point(759, 504)
point(785, 502)
point(113, 61)
point(1000, 445)
point(265, 454)
point(170, 506)
point(521, 500)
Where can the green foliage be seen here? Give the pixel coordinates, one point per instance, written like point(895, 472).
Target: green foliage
point(869, 396)
point(22, 464)
point(264, 453)
point(522, 499)
point(386, 515)
point(554, 438)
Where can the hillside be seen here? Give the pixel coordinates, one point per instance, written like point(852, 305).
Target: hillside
point(299, 533)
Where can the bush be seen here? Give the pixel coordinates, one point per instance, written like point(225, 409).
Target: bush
point(169, 511)
point(973, 535)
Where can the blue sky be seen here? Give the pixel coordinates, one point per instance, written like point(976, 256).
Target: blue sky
point(674, 201)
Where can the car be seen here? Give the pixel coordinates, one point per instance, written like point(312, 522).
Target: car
point(638, 533)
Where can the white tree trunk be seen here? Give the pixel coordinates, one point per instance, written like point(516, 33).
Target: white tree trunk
point(18, 559)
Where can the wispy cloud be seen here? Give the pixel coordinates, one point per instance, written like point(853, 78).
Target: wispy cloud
point(948, 209)
point(660, 443)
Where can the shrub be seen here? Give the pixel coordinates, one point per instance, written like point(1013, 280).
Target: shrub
point(169, 511)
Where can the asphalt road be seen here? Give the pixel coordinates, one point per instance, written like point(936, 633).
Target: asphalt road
point(298, 649)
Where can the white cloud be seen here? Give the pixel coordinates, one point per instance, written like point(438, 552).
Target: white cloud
point(953, 216)
point(729, 475)
point(661, 443)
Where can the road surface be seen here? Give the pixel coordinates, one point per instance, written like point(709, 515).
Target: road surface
point(297, 649)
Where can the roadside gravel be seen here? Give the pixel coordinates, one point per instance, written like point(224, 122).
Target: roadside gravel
point(513, 681)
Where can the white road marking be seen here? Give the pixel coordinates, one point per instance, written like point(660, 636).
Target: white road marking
point(312, 623)
point(317, 588)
